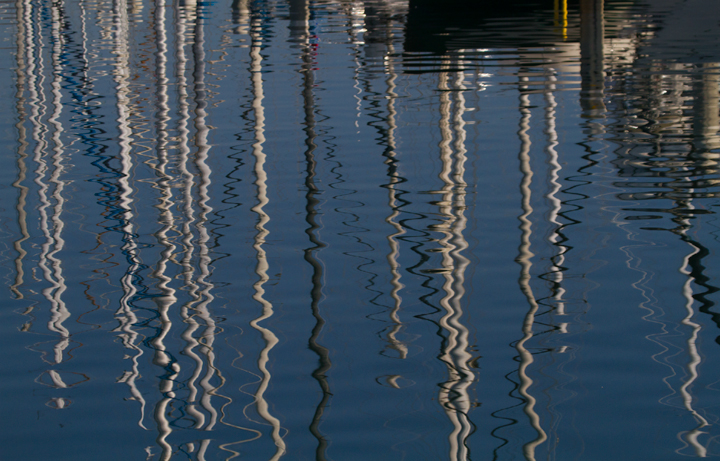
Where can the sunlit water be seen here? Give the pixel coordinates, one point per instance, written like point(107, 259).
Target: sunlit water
point(359, 231)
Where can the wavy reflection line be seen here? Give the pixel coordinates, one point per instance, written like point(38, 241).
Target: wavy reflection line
point(203, 147)
point(240, 17)
point(555, 274)
point(182, 14)
point(454, 392)
point(21, 71)
point(61, 313)
point(126, 314)
point(166, 299)
point(50, 266)
point(393, 238)
point(691, 437)
point(556, 204)
point(262, 266)
point(300, 31)
point(525, 260)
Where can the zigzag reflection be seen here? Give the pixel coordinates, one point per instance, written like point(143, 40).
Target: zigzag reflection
point(49, 183)
point(116, 104)
point(453, 393)
point(43, 113)
point(689, 166)
point(262, 266)
point(300, 33)
point(126, 314)
point(23, 30)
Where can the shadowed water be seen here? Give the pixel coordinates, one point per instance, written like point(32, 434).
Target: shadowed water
point(382, 230)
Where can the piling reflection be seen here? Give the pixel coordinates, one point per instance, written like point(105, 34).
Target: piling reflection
point(166, 175)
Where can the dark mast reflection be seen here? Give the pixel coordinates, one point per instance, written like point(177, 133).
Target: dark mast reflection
point(300, 35)
point(379, 19)
point(592, 38)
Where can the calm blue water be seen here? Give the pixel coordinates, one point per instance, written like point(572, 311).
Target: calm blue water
point(371, 230)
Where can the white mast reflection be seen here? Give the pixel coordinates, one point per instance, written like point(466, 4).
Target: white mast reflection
point(182, 15)
point(48, 263)
point(394, 254)
point(23, 28)
point(555, 168)
point(691, 437)
point(454, 392)
point(525, 260)
point(203, 147)
point(162, 357)
point(261, 269)
point(49, 189)
point(125, 314)
point(61, 312)
point(706, 124)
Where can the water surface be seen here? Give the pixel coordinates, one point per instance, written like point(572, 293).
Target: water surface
point(381, 230)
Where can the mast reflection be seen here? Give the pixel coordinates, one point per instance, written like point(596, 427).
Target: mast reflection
point(300, 34)
point(23, 28)
point(525, 260)
point(453, 393)
point(394, 203)
point(126, 315)
point(262, 266)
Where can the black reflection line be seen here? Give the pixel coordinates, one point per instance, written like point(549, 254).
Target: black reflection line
point(691, 369)
point(697, 273)
point(299, 32)
point(383, 121)
point(524, 259)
